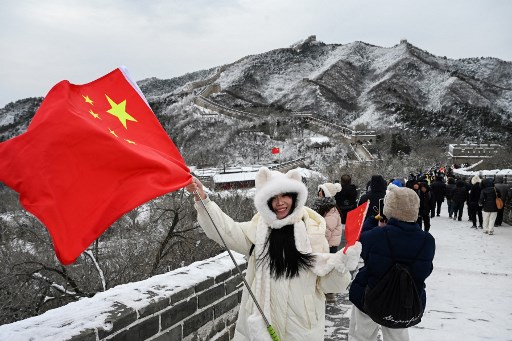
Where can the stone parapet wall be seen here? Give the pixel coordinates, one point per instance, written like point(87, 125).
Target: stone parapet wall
point(507, 213)
point(197, 302)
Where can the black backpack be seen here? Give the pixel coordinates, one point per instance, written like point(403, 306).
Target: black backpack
point(394, 302)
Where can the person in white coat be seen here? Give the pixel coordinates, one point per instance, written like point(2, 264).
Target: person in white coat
point(290, 269)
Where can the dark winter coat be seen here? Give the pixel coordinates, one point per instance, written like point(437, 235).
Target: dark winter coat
point(488, 196)
point(460, 193)
point(474, 194)
point(450, 187)
point(369, 223)
point(501, 187)
point(406, 240)
point(427, 201)
point(439, 189)
point(346, 199)
point(376, 191)
point(468, 187)
point(409, 183)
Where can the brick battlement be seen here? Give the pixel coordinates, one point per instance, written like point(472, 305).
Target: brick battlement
point(197, 302)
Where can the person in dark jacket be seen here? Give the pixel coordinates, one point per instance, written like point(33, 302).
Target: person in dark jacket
point(410, 181)
point(439, 190)
point(427, 202)
point(450, 187)
point(347, 198)
point(374, 195)
point(467, 184)
point(459, 197)
point(502, 189)
point(407, 240)
point(474, 209)
point(488, 202)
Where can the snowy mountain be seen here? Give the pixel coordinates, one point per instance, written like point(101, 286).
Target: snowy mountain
point(400, 89)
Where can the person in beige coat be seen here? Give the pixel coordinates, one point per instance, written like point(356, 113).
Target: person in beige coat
point(290, 269)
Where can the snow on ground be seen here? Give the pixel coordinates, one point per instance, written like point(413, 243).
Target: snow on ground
point(469, 294)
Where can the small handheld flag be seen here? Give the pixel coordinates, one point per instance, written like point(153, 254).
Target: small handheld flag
point(354, 224)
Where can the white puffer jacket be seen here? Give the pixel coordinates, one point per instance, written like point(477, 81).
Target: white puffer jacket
point(295, 307)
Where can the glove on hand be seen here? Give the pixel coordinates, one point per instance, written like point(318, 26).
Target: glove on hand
point(351, 257)
point(348, 261)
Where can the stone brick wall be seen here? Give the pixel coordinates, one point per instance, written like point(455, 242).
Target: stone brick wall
point(507, 213)
point(198, 302)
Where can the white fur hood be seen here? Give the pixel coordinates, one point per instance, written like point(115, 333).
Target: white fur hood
point(271, 183)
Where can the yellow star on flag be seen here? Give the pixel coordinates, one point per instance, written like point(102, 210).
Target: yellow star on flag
point(88, 100)
point(119, 110)
point(94, 114)
point(112, 132)
point(130, 141)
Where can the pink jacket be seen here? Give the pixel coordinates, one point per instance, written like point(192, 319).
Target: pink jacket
point(333, 229)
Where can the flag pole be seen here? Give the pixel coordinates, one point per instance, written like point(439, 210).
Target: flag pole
point(270, 329)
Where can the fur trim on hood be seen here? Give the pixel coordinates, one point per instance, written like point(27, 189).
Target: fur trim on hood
point(475, 179)
point(271, 183)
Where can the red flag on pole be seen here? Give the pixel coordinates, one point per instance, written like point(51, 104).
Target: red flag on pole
point(91, 153)
point(354, 224)
point(275, 150)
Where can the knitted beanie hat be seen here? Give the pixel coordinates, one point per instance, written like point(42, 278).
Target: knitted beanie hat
point(330, 189)
point(402, 204)
point(397, 183)
point(475, 179)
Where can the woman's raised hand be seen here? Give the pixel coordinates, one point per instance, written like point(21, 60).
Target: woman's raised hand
point(194, 186)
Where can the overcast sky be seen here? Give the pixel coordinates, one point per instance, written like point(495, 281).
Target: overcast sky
point(45, 41)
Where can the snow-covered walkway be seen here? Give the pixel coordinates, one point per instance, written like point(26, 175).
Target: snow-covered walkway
point(469, 294)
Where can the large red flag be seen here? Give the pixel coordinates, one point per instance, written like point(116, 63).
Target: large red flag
point(354, 224)
point(91, 153)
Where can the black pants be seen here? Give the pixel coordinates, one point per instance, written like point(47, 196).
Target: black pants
point(457, 210)
point(343, 212)
point(499, 217)
point(438, 204)
point(426, 219)
point(474, 210)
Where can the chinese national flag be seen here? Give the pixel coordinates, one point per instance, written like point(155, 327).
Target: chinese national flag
point(354, 224)
point(275, 150)
point(91, 153)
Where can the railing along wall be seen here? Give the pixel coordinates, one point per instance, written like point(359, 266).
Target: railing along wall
point(197, 302)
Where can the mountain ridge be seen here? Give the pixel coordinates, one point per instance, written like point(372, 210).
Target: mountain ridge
point(399, 89)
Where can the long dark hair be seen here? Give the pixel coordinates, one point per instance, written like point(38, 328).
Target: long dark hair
point(283, 257)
